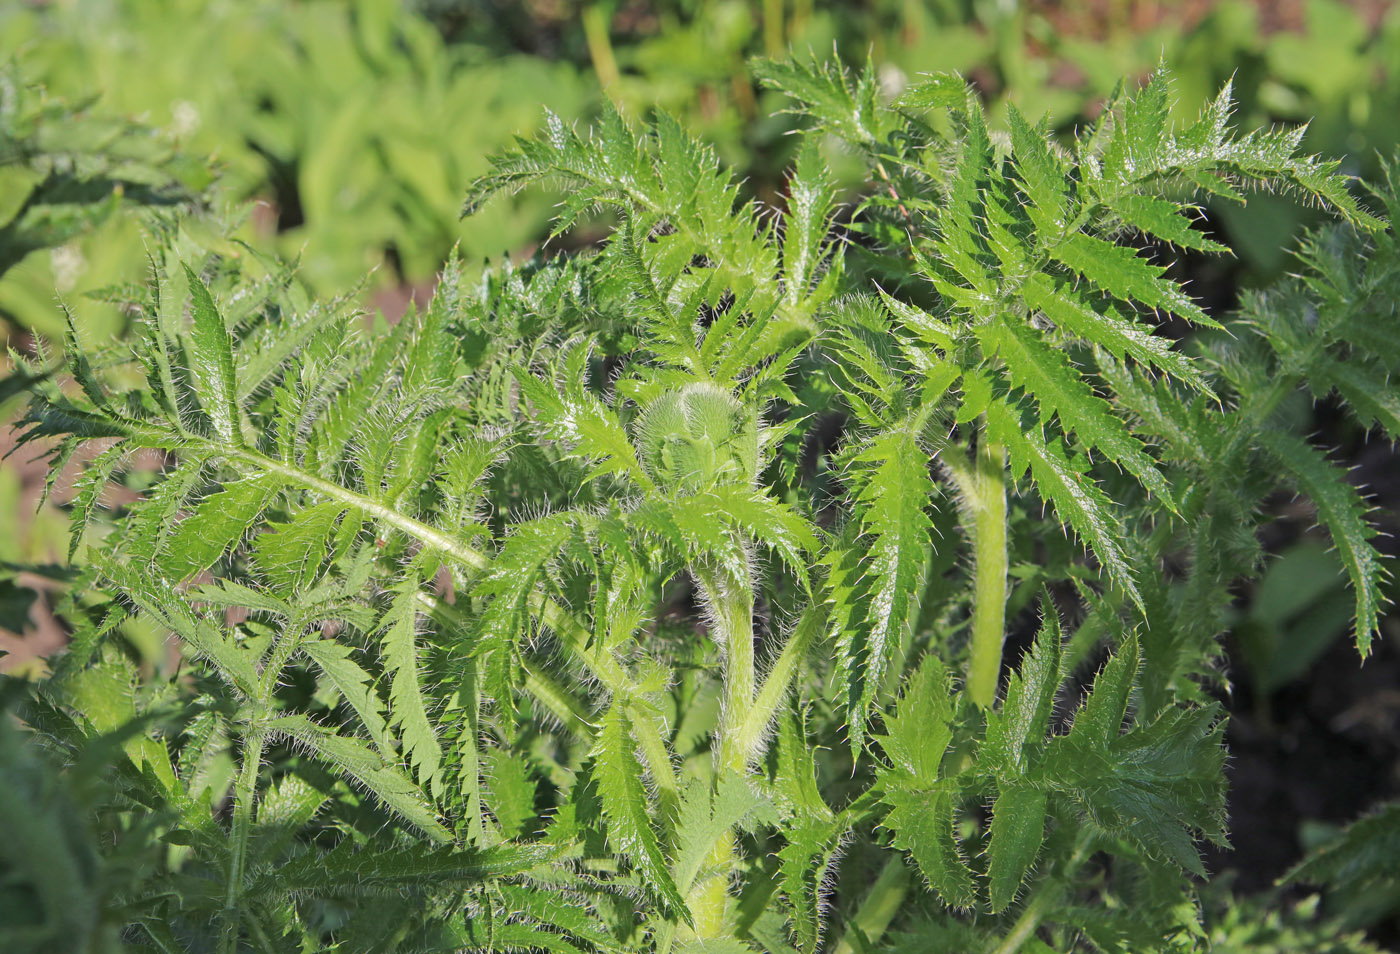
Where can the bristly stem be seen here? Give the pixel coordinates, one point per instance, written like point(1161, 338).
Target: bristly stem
point(244, 793)
point(777, 683)
point(709, 897)
point(731, 603)
point(1034, 912)
point(982, 493)
point(741, 740)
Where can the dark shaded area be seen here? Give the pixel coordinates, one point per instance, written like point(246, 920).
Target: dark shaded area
point(282, 176)
point(1323, 749)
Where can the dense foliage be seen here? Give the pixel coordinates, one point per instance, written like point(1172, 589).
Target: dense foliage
point(657, 598)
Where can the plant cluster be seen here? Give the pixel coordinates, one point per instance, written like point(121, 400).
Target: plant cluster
point(658, 598)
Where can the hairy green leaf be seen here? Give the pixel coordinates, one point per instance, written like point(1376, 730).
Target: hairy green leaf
point(1060, 391)
point(213, 362)
point(363, 767)
point(1077, 500)
point(922, 822)
point(1018, 829)
point(407, 707)
point(217, 523)
point(1123, 273)
point(896, 492)
point(618, 775)
point(1019, 728)
point(1342, 509)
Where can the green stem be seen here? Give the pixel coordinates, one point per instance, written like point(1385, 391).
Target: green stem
point(438, 539)
point(773, 28)
point(244, 793)
point(646, 729)
point(279, 655)
point(708, 899)
point(557, 700)
point(571, 632)
point(740, 737)
point(982, 488)
point(246, 789)
point(595, 33)
point(730, 602)
point(260, 936)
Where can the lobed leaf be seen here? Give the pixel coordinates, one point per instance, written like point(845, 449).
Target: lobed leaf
point(895, 494)
point(407, 706)
point(1077, 500)
point(217, 523)
point(359, 764)
point(213, 362)
point(1101, 717)
point(1123, 273)
point(1110, 332)
point(618, 775)
point(1342, 509)
point(918, 734)
point(1017, 833)
point(352, 682)
point(1161, 219)
point(922, 822)
point(1018, 729)
point(811, 199)
point(1155, 786)
point(1041, 172)
point(1052, 379)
